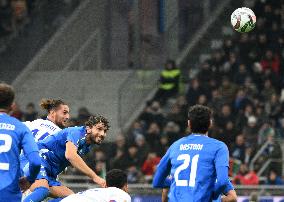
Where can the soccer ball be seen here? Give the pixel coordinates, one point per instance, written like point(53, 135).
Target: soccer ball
point(243, 20)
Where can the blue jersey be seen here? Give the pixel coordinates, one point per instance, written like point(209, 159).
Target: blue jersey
point(192, 161)
point(53, 148)
point(14, 136)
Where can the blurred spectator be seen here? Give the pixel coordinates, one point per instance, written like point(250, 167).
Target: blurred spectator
point(118, 145)
point(72, 122)
point(246, 177)
point(205, 73)
point(238, 149)
point(227, 89)
point(273, 108)
point(149, 166)
point(273, 178)
point(19, 8)
point(153, 113)
point(142, 146)
point(172, 131)
point(273, 151)
point(136, 130)
point(169, 82)
point(230, 67)
point(216, 100)
point(251, 131)
point(249, 152)
point(225, 116)
point(271, 61)
point(133, 156)
point(153, 135)
point(16, 112)
point(241, 100)
point(134, 175)
point(193, 92)
point(163, 146)
point(175, 115)
point(118, 161)
point(268, 90)
point(241, 74)
point(83, 115)
point(31, 113)
point(100, 168)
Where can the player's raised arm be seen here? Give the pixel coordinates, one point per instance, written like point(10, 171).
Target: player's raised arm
point(162, 171)
point(78, 163)
point(222, 167)
point(31, 152)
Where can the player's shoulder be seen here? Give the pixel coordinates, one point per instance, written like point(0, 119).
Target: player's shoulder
point(15, 124)
point(218, 144)
point(119, 193)
point(76, 129)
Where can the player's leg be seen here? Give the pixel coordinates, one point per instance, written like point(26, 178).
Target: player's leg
point(40, 188)
point(60, 191)
point(39, 191)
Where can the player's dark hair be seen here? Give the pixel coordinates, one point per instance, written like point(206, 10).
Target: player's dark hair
point(95, 119)
point(200, 117)
point(7, 96)
point(51, 104)
point(116, 178)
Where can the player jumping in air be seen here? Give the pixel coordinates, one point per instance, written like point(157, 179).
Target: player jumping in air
point(63, 149)
point(195, 162)
point(57, 116)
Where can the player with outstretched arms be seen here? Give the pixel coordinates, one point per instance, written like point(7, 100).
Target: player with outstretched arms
point(116, 191)
point(195, 162)
point(63, 149)
point(14, 136)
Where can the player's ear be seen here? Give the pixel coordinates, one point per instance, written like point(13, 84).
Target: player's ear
point(125, 188)
point(211, 123)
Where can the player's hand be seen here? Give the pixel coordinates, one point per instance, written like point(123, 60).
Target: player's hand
point(100, 181)
point(24, 184)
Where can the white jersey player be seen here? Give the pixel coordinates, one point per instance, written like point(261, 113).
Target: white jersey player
point(58, 115)
point(116, 190)
point(42, 128)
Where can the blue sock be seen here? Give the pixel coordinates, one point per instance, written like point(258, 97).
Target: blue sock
point(39, 194)
point(56, 199)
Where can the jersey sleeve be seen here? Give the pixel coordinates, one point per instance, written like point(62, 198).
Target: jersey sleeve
point(162, 171)
point(228, 187)
point(28, 142)
point(73, 136)
point(222, 156)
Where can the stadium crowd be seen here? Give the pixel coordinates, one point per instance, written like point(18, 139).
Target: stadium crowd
point(242, 82)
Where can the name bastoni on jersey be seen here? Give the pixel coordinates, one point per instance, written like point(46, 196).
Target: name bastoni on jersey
point(183, 147)
point(7, 126)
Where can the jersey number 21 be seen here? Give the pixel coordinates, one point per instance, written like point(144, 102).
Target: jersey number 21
point(186, 163)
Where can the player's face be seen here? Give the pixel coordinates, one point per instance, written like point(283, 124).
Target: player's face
point(97, 133)
point(62, 114)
